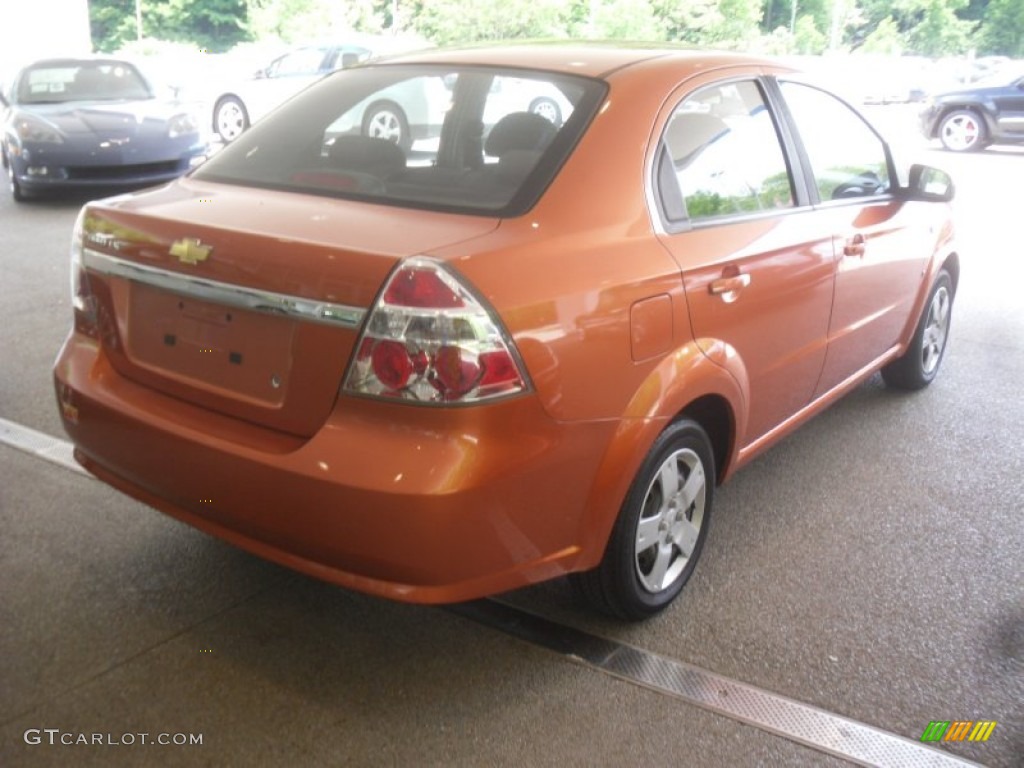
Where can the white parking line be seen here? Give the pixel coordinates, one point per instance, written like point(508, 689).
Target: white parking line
point(793, 720)
point(39, 444)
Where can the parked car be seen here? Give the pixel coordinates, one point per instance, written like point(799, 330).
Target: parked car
point(534, 353)
point(528, 95)
point(243, 102)
point(73, 123)
point(989, 112)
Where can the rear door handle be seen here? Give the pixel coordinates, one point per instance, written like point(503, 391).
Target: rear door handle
point(729, 284)
point(855, 246)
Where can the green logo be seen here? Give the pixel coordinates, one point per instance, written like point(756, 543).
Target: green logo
point(958, 730)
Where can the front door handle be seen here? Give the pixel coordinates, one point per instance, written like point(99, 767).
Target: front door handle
point(854, 246)
point(731, 284)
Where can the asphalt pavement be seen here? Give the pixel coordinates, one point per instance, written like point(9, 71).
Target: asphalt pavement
point(869, 566)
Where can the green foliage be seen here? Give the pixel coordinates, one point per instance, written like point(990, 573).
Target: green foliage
point(1002, 28)
point(620, 20)
point(112, 24)
point(938, 31)
point(447, 22)
point(296, 21)
point(808, 38)
point(215, 25)
point(885, 39)
point(924, 27)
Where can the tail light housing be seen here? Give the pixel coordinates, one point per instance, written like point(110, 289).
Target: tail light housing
point(428, 339)
point(83, 302)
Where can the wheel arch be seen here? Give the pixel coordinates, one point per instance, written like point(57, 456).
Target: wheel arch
point(717, 417)
point(980, 109)
point(948, 260)
point(952, 265)
point(689, 385)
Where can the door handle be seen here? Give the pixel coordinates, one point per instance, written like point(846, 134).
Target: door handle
point(724, 285)
point(855, 246)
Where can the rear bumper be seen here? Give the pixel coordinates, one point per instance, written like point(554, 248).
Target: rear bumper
point(418, 504)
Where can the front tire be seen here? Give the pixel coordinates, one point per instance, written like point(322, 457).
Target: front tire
point(660, 530)
point(962, 130)
point(919, 365)
point(17, 193)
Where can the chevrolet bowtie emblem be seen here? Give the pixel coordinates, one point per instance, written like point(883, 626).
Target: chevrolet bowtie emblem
point(190, 251)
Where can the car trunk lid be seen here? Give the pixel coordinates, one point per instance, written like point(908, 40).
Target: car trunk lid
point(244, 301)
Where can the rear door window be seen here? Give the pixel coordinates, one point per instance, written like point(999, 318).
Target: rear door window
point(721, 156)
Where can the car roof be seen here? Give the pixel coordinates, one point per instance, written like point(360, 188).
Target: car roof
point(597, 60)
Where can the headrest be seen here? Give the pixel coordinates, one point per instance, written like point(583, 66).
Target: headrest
point(519, 130)
point(691, 131)
point(366, 155)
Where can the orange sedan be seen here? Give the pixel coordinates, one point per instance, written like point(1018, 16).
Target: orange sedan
point(524, 349)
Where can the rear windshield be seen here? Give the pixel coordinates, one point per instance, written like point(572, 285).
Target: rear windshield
point(81, 81)
point(473, 140)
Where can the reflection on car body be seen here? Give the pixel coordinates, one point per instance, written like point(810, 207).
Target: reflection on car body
point(524, 349)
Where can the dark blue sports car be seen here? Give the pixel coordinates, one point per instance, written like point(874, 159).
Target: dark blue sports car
point(93, 122)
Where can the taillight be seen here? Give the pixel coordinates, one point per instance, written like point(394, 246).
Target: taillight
point(428, 339)
point(83, 302)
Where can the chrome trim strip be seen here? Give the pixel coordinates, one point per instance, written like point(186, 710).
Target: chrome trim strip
point(788, 718)
point(252, 299)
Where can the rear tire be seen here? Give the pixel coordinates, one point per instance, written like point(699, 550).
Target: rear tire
point(386, 120)
point(230, 118)
point(548, 109)
point(660, 531)
point(919, 365)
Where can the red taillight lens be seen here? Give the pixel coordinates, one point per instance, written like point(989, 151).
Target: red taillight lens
point(457, 371)
point(429, 340)
point(391, 364)
point(420, 287)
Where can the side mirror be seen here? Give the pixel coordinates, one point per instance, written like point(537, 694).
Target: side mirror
point(349, 60)
point(930, 184)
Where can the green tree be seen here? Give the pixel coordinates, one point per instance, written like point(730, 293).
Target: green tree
point(619, 20)
point(885, 39)
point(299, 20)
point(808, 38)
point(446, 22)
point(939, 31)
point(216, 25)
point(1002, 28)
point(112, 24)
point(723, 23)
point(929, 27)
